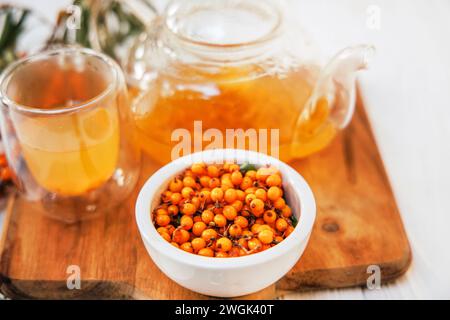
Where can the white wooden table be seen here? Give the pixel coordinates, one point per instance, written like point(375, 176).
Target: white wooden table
point(407, 93)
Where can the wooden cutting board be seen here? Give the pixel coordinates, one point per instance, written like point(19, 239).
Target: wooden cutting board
point(357, 225)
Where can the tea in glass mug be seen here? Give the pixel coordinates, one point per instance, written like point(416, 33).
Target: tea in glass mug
point(68, 133)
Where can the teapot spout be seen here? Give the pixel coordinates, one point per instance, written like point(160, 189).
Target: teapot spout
point(337, 84)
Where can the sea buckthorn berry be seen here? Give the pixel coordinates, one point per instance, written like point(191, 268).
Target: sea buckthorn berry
point(166, 236)
point(251, 174)
point(250, 190)
point(209, 234)
point(206, 252)
point(234, 167)
point(175, 198)
point(205, 196)
point(204, 181)
point(216, 194)
point(255, 228)
point(175, 244)
point(242, 242)
point(229, 212)
point(188, 209)
point(180, 236)
point(279, 203)
point(270, 216)
point(274, 180)
point(198, 168)
point(207, 216)
point(170, 229)
point(286, 212)
point(249, 198)
point(187, 192)
point(246, 183)
point(221, 254)
point(261, 194)
point(214, 183)
point(224, 244)
point(186, 222)
point(260, 221)
point(235, 230)
point(161, 212)
point(262, 174)
point(189, 182)
point(198, 228)
point(274, 193)
point(220, 220)
point(278, 239)
point(197, 219)
point(288, 231)
point(281, 224)
point(240, 195)
point(176, 185)
point(198, 244)
point(196, 202)
point(162, 230)
point(230, 196)
point(213, 171)
point(165, 197)
point(254, 244)
point(265, 236)
point(173, 210)
point(187, 246)
point(264, 227)
point(236, 178)
point(257, 207)
point(237, 205)
point(162, 220)
point(241, 222)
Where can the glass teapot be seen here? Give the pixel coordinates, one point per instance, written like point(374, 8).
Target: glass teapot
point(236, 65)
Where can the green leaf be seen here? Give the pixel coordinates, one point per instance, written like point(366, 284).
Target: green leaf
point(247, 167)
point(294, 221)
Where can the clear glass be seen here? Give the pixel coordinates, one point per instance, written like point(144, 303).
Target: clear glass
point(235, 64)
point(68, 133)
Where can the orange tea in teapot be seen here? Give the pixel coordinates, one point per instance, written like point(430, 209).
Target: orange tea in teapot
point(201, 63)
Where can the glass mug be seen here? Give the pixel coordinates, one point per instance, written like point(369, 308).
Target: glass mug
point(68, 132)
point(234, 64)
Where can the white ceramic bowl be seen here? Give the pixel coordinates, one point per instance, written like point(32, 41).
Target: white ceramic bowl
point(226, 277)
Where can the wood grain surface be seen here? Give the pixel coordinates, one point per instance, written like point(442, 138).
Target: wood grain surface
point(357, 225)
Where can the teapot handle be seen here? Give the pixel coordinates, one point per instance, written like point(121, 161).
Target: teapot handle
point(337, 84)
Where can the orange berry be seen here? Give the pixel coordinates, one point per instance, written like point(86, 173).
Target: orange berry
point(196, 202)
point(241, 222)
point(209, 234)
point(165, 236)
point(162, 230)
point(251, 190)
point(180, 236)
point(198, 244)
point(274, 180)
point(249, 198)
point(216, 194)
point(240, 195)
point(204, 181)
point(230, 195)
point(173, 210)
point(165, 197)
point(274, 193)
point(257, 207)
point(255, 228)
point(213, 171)
point(220, 220)
point(251, 174)
point(162, 220)
point(278, 239)
point(261, 194)
point(246, 183)
point(229, 212)
point(175, 198)
point(161, 212)
point(214, 183)
point(221, 254)
point(207, 216)
point(224, 244)
point(187, 246)
point(206, 252)
point(237, 205)
point(188, 209)
point(234, 167)
point(288, 231)
point(254, 244)
point(187, 192)
point(198, 228)
point(262, 174)
point(198, 168)
point(270, 216)
point(170, 229)
point(243, 243)
point(286, 212)
point(235, 230)
point(186, 222)
point(265, 236)
point(205, 196)
point(176, 185)
point(175, 244)
point(189, 182)
point(281, 224)
point(236, 178)
point(279, 203)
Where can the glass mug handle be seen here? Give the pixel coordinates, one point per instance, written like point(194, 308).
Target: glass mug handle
point(332, 102)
